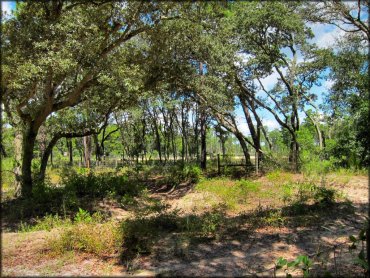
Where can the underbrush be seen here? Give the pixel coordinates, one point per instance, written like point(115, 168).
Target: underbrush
point(87, 233)
point(74, 191)
point(180, 173)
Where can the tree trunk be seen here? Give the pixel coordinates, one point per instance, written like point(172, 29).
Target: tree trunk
point(29, 139)
point(255, 134)
point(87, 151)
point(203, 141)
point(70, 151)
point(294, 155)
point(244, 147)
point(98, 153)
point(42, 137)
point(45, 157)
point(18, 162)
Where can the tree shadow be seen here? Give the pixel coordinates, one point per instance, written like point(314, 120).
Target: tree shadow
point(217, 244)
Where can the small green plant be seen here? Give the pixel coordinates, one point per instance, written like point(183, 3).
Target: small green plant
point(324, 196)
point(302, 262)
point(360, 240)
point(82, 216)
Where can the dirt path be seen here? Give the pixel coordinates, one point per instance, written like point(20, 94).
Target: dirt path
point(244, 254)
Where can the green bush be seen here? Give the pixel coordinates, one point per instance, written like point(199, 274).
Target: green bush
point(182, 173)
point(318, 167)
point(325, 196)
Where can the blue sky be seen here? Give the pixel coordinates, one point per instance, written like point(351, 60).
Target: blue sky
point(8, 6)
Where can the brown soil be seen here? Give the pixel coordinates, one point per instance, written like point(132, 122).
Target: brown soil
point(242, 255)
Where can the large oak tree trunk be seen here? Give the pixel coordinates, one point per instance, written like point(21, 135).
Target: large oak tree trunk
point(29, 139)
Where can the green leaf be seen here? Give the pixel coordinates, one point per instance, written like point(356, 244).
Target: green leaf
point(362, 262)
point(281, 262)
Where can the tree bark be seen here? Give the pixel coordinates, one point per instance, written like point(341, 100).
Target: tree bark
point(45, 157)
point(87, 151)
point(203, 140)
point(18, 162)
point(29, 139)
point(244, 147)
point(70, 151)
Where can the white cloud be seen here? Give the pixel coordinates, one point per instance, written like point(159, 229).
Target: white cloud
point(242, 125)
point(328, 84)
point(325, 34)
point(271, 124)
point(269, 81)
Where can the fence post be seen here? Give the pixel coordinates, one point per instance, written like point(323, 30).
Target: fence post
point(256, 158)
point(116, 163)
point(218, 164)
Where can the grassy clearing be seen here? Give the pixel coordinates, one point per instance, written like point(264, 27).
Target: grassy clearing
point(231, 193)
point(301, 203)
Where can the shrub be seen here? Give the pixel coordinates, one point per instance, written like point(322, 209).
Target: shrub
point(91, 237)
point(325, 196)
point(88, 233)
point(182, 173)
point(318, 167)
point(100, 185)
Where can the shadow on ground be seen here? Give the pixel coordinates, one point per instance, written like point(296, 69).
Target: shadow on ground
point(250, 243)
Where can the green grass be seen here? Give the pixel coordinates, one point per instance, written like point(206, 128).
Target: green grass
point(7, 177)
point(231, 193)
point(280, 177)
point(46, 223)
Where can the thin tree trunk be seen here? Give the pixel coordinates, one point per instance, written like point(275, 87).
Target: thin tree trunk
point(18, 162)
point(70, 151)
point(45, 157)
point(244, 147)
point(87, 151)
point(203, 141)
